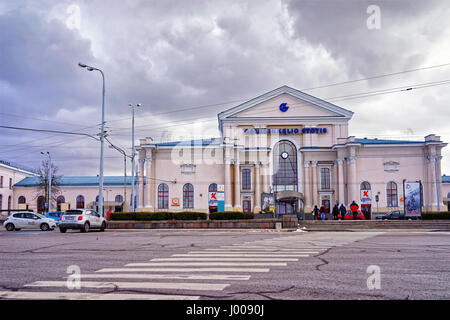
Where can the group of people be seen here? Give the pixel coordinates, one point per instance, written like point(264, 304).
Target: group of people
point(320, 214)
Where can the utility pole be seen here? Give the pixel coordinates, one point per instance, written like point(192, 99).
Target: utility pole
point(133, 155)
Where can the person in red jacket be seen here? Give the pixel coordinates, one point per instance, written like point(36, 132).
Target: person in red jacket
point(354, 208)
point(108, 214)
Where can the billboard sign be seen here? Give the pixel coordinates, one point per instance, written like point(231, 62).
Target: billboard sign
point(268, 202)
point(412, 198)
point(366, 196)
point(220, 197)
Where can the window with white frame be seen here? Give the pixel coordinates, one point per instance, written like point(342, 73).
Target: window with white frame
point(325, 178)
point(246, 175)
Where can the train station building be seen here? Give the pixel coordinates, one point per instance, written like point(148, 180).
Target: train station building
point(284, 143)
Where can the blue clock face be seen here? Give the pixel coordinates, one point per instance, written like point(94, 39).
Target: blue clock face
point(284, 107)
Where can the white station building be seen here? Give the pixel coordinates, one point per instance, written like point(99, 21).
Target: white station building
point(284, 142)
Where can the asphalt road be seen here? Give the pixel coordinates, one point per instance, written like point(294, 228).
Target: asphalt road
point(222, 264)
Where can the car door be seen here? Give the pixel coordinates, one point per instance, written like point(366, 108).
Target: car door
point(97, 219)
point(18, 219)
point(30, 221)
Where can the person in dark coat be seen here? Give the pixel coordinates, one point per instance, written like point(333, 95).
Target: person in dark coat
point(342, 210)
point(316, 212)
point(354, 208)
point(335, 212)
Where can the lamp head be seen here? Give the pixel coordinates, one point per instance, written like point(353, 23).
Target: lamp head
point(139, 105)
point(82, 65)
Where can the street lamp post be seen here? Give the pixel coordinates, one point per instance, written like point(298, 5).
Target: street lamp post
point(133, 154)
point(102, 133)
point(49, 182)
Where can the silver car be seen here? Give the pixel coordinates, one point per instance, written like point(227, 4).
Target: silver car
point(29, 220)
point(83, 219)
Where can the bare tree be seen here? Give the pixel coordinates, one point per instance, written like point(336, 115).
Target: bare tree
point(42, 189)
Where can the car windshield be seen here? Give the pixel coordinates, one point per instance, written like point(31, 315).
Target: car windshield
point(73, 212)
point(39, 215)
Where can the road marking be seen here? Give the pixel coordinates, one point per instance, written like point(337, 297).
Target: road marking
point(219, 254)
point(135, 285)
point(262, 254)
point(167, 276)
point(266, 249)
point(184, 270)
point(190, 258)
point(207, 264)
point(89, 296)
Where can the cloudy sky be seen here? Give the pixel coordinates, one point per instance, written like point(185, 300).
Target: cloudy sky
point(185, 61)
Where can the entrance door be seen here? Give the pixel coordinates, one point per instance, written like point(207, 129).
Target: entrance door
point(247, 206)
point(287, 206)
point(366, 210)
point(326, 204)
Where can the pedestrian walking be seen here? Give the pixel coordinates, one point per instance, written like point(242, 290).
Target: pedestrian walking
point(322, 213)
point(316, 212)
point(354, 208)
point(343, 211)
point(335, 212)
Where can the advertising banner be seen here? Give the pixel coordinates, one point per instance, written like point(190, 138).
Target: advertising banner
point(366, 196)
point(212, 199)
point(267, 202)
point(220, 197)
point(413, 201)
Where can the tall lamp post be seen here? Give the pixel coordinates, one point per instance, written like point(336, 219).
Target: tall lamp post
point(133, 154)
point(102, 133)
point(49, 182)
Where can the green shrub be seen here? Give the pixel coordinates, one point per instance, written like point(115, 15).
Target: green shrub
point(230, 215)
point(436, 215)
point(164, 215)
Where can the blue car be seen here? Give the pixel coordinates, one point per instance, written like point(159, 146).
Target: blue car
point(55, 215)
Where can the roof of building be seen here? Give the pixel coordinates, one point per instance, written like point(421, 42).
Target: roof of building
point(381, 141)
point(193, 143)
point(14, 165)
point(72, 181)
point(445, 179)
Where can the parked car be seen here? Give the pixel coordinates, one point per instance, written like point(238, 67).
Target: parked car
point(349, 216)
point(83, 219)
point(396, 215)
point(28, 220)
point(55, 215)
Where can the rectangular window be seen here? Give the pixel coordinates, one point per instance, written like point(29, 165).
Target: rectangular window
point(10, 183)
point(246, 179)
point(1, 181)
point(325, 178)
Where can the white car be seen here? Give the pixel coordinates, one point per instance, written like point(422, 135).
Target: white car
point(83, 219)
point(29, 220)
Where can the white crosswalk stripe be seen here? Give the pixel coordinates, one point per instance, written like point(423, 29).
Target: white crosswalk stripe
point(210, 269)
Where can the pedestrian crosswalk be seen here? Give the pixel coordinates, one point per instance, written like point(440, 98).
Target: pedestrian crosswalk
point(187, 276)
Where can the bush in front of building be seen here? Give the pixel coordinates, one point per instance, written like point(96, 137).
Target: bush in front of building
point(444, 215)
point(164, 215)
point(230, 215)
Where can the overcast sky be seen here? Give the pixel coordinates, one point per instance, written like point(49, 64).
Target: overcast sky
point(172, 55)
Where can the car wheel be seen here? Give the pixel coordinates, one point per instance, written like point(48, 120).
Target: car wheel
point(85, 227)
point(10, 227)
point(62, 230)
point(103, 227)
point(45, 227)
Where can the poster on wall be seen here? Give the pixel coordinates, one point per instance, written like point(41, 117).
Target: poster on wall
point(412, 198)
point(267, 202)
point(366, 197)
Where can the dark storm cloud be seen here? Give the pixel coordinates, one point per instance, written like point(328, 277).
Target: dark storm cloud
point(169, 55)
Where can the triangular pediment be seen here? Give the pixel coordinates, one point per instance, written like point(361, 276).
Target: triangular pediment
point(286, 102)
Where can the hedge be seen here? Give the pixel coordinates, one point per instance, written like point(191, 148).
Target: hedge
point(230, 215)
point(436, 215)
point(164, 215)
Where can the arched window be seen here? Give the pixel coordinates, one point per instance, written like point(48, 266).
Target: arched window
point(212, 187)
point(391, 194)
point(188, 196)
point(285, 166)
point(118, 198)
point(163, 196)
point(22, 200)
point(59, 200)
point(40, 203)
point(80, 202)
point(365, 185)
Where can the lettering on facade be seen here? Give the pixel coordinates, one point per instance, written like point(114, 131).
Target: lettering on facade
point(285, 130)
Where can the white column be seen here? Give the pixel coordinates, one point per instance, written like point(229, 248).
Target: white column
point(314, 184)
point(141, 183)
point(340, 177)
point(307, 186)
point(228, 204)
point(352, 184)
point(257, 206)
point(237, 185)
point(148, 194)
